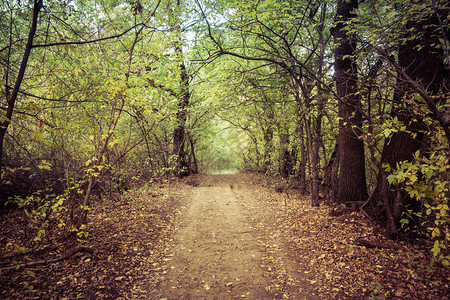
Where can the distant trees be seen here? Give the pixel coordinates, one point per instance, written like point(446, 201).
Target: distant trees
point(291, 38)
point(382, 114)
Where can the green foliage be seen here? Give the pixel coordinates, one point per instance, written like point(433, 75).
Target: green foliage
point(45, 212)
point(221, 148)
point(426, 179)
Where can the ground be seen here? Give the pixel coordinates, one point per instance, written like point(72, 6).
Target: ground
point(221, 237)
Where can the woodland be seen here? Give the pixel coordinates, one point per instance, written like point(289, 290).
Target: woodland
point(343, 102)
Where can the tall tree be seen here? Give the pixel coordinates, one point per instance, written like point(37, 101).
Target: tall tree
point(182, 167)
point(420, 66)
point(11, 96)
point(180, 136)
point(352, 175)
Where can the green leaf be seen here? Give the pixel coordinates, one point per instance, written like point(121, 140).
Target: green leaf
point(391, 178)
point(391, 15)
point(436, 248)
point(403, 222)
point(45, 165)
point(37, 136)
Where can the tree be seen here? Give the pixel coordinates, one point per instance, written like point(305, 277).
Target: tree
point(352, 184)
point(420, 69)
point(279, 34)
point(11, 96)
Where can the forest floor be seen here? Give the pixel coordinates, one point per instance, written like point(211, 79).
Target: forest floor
point(221, 237)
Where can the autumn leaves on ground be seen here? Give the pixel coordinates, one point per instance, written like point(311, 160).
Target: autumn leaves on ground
point(220, 237)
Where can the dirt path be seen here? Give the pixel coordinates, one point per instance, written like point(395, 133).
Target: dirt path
point(221, 237)
point(216, 254)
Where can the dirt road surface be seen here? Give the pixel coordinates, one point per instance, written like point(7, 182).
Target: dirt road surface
point(217, 252)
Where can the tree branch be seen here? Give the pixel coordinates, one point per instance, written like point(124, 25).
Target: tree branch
point(416, 86)
point(88, 42)
point(68, 254)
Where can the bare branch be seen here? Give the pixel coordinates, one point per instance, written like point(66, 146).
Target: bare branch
point(88, 42)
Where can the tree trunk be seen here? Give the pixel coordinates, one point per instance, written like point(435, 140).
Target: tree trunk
point(194, 165)
point(285, 155)
point(314, 156)
point(317, 125)
point(182, 167)
point(5, 121)
point(425, 66)
point(300, 125)
point(329, 176)
point(302, 166)
point(352, 174)
point(179, 134)
point(116, 112)
point(268, 139)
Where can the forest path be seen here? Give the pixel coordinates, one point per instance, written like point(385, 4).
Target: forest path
point(217, 252)
point(219, 237)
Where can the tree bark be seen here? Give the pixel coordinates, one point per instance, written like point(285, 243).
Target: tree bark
point(194, 164)
point(302, 166)
point(300, 128)
point(182, 167)
point(316, 125)
point(285, 156)
point(352, 175)
point(329, 176)
point(314, 159)
point(268, 137)
point(116, 112)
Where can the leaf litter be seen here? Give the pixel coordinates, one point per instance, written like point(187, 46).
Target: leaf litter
point(129, 240)
point(344, 257)
point(306, 253)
